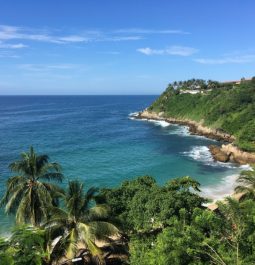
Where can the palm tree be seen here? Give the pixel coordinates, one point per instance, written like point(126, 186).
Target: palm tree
point(234, 226)
point(247, 183)
point(26, 195)
point(81, 226)
point(184, 183)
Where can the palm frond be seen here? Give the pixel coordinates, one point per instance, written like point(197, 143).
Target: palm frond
point(41, 161)
point(84, 232)
point(23, 212)
point(75, 188)
point(56, 176)
point(71, 241)
point(244, 189)
point(75, 198)
point(95, 250)
point(98, 212)
point(89, 196)
point(102, 230)
point(12, 185)
point(14, 199)
point(57, 215)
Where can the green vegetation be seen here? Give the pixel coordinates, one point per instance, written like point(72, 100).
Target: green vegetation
point(170, 225)
point(227, 107)
point(194, 84)
point(54, 225)
point(246, 183)
point(26, 195)
point(80, 225)
point(159, 225)
point(143, 206)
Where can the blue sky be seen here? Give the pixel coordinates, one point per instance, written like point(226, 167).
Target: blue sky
point(122, 47)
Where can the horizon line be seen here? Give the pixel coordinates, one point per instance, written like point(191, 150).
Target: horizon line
point(74, 95)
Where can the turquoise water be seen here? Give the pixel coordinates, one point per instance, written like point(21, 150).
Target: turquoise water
point(95, 140)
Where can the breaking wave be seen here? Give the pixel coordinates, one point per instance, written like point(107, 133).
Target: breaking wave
point(203, 154)
point(159, 123)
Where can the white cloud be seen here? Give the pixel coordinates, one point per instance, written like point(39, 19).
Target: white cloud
point(19, 33)
point(121, 38)
point(12, 33)
point(73, 38)
point(172, 50)
point(149, 51)
point(150, 31)
point(239, 59)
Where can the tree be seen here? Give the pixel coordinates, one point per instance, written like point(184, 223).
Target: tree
point(28, 245)
point(236, 231)
point(246, 182)
point(142, 206)
point(25, 246)
point(6, 253)
point(26, 195)
point(80, 225)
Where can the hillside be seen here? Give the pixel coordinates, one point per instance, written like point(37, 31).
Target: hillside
point(229, 108)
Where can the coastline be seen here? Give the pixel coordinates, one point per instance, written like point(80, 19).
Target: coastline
point(227, 148)
point(226, 153)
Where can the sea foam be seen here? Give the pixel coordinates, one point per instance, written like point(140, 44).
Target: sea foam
point(179, 130)
point(223, 189)
point(203, 154)
point(133, 115)
point(159, 123)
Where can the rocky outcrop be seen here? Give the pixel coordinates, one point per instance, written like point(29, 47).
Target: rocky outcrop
point(230, 153)
point(218, 154)
point(238, 155)
point(225, 153)
point(196, 128)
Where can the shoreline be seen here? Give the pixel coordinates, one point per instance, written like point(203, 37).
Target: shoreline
point(240, 157)
point(226, 153)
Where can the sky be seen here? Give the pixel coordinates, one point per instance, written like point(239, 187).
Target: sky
point(119, 47)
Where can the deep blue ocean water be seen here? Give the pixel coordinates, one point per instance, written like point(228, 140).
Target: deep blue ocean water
point(95, 140)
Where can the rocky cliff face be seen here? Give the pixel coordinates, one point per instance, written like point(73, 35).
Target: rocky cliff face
point(225, 153)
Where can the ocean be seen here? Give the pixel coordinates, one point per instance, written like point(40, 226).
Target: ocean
point(96, 140)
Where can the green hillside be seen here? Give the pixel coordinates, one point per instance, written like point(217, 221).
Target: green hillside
point(227, 107)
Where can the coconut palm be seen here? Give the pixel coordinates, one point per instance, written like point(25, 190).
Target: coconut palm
point(26, 195)
point(246, 182)
point(235, 218)
point(81, 226)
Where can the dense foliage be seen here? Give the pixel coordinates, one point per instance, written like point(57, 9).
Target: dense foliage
point(167, 224)
point(228, 107)
point(142, 206)
point(170, 225)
